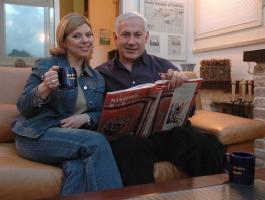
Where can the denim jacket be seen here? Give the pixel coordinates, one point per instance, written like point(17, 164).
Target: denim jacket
point(36, 117)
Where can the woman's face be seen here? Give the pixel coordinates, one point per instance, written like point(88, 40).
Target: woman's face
point(79, 43)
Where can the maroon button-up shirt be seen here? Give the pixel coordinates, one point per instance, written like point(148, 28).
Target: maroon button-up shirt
point(145, 70)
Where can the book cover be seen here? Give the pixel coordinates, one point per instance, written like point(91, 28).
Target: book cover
point(147, 108)
point(129, 111)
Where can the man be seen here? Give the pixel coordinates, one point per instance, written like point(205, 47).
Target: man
point(193, 152)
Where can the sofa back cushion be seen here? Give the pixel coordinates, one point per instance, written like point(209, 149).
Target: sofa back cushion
point(12, 82)
point(8, 113)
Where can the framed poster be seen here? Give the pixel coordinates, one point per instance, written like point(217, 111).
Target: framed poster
point(226, 16)
point(166, 21)
point(225, 24)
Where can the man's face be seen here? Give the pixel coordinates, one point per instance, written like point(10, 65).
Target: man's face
point(131, 39)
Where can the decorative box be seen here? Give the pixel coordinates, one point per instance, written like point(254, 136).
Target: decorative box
point(215, 70)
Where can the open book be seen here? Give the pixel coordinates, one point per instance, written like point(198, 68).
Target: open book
point(147, 108)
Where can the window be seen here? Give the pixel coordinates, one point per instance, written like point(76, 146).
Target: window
point(26, 30)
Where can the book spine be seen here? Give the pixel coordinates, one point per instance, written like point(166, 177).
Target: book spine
point(146, 130)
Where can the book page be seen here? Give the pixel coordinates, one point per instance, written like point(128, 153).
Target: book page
point(162, 110)
point(181, 103)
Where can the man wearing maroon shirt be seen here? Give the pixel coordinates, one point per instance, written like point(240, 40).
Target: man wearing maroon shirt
point(194, 152)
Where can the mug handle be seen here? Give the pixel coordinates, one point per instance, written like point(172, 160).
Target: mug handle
point(227, 163)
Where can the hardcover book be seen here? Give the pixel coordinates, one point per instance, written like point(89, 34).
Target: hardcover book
point(147, 108)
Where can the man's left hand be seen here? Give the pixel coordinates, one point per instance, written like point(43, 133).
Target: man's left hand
point(176, 78)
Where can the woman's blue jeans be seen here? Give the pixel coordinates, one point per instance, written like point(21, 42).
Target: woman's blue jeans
point(85, 157)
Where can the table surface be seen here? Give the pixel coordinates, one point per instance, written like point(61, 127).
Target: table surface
point(134, 191)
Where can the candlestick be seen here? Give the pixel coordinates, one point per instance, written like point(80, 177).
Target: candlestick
point(249, 90)
point(243, 84)
point(233, 83)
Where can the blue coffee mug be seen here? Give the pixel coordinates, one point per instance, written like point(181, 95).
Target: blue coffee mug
point(67, 77)
point(241, 167)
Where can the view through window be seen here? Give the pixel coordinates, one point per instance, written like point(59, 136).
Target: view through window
point(27, 30)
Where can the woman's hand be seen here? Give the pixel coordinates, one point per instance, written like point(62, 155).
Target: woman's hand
point(75, 121)
point(50, 79)
point(50, 82)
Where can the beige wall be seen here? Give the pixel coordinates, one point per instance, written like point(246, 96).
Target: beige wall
point(67, 6)
point(102, 14)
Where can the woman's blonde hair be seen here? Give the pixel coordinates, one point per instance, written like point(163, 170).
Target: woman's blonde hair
point(67, 25)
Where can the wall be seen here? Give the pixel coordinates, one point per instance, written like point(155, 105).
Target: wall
point(239, 68)
point(102, 14)
point(67, 6)
point(234, 41)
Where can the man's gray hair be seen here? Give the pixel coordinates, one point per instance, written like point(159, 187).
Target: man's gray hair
point(126, 16)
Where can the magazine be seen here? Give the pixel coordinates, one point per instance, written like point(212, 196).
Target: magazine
point(147, 108)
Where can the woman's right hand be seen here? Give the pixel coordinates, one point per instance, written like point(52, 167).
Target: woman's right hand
point(50, 82)
point(50, 79)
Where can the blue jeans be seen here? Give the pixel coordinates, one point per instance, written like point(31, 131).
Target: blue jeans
point(85, 157)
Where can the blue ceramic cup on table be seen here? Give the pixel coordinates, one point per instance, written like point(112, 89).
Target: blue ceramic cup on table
point(241, 167)
point(67, 77)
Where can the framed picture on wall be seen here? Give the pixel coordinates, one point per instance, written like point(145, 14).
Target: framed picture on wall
point(224, 24)
point(166, 21)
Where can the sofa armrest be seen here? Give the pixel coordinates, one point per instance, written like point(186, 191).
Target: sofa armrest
point(229, 129)
point(8, 113)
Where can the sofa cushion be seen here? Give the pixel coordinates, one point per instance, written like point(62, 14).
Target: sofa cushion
point(229, 129)
point(12, 81)
point(8, 112)
point(21, 178)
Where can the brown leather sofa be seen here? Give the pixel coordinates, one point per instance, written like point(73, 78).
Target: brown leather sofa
point(21, 178)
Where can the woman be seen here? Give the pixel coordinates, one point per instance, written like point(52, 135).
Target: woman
point(55, 125)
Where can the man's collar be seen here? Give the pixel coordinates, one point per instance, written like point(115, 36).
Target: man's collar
point(145, 57)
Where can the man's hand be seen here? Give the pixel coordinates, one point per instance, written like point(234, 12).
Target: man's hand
point(176, 78)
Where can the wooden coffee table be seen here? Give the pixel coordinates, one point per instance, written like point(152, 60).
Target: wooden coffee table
point(134, 191)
